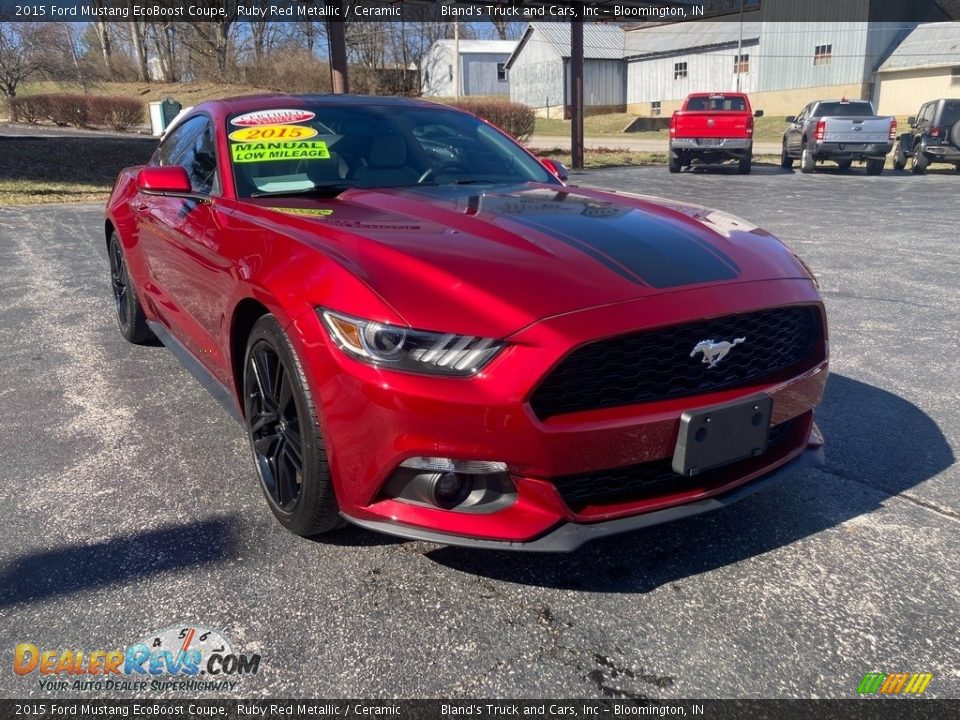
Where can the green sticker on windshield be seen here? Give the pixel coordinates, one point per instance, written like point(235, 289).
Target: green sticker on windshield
point(268, 151)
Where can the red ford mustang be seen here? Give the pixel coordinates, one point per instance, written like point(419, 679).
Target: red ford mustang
point(427, 333)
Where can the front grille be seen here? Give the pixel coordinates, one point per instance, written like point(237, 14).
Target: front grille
point(656, 364)
point(649, 479)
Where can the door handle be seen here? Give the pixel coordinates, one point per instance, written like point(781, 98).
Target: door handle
point(140, 206)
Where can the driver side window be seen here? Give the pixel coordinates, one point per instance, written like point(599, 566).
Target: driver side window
point(193, 146)
point(174, 147)
point(200, 161)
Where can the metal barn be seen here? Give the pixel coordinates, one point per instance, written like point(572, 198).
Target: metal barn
point(540, 68)
point(482, 68)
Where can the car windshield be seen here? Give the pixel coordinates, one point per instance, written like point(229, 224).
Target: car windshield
point(337, 147)
point(844, 109)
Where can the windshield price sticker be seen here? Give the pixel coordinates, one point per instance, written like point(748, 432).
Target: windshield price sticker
point(269, 151)
point(272, 117)
point(273, 132)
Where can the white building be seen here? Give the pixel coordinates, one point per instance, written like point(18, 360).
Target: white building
point(925, 66)
point(482, 68)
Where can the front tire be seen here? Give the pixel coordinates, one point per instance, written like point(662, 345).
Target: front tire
point(786, 162)
point(874, 166)
point(899, 157)
point(920, 162)
point(131, 319)
point(807, 161)
point(281, 418)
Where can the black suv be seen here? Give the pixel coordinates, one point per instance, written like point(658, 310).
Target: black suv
point(934, 137)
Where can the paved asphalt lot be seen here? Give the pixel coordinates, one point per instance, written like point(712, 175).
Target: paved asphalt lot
point(131, 505)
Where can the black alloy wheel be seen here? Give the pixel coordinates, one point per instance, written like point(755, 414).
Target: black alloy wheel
point(120, 282)
point(131, 319)
point(282, 422)
point(274, 425)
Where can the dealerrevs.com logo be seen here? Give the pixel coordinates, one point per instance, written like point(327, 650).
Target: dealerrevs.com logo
point(189, 658)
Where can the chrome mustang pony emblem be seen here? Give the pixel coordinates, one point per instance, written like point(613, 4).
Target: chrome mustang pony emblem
point(714, 352)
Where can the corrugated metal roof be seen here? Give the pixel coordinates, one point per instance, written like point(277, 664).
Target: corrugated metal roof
point(601, 41)
point(677, 37)
point(483, 46)
point(928, 46)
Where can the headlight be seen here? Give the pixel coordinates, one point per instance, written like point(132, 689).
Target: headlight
point(415, 351)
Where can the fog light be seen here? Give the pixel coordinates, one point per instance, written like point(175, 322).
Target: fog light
point(471, 486)
point(450, 489)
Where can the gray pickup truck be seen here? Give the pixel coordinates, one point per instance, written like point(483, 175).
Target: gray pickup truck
point(839, 130)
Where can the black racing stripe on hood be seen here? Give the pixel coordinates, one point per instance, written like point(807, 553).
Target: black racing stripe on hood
point(647, 250)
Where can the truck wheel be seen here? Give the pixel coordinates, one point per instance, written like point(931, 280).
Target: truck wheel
point(875, 166)
point(920, 162)
point(744, 165)
point(807, 161)
point(674, 164)
point(899, 157)
point(786, 162)
point(844, 164)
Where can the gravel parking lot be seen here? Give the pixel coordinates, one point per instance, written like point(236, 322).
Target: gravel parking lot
point(131, 504)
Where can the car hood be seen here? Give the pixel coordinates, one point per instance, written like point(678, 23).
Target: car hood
point(491, 260)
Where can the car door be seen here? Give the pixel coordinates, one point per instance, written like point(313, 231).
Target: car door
point(925, 120)
point(187, 259)
point(795, 132)
point(157, 216)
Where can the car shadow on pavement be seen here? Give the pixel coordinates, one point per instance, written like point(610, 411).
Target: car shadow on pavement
point(73, 568)
point(878, 445)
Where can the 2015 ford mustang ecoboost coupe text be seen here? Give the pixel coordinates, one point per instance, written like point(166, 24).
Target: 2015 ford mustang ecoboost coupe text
point(428, 333)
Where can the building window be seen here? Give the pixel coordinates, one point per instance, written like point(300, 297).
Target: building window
point(822, 54)
point(955, 76)
point(741, 64)
point(450, 71)
point(679, 70)
point(502, 72)
point(655, 108)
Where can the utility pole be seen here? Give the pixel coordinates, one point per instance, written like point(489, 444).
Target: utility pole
point(337, 39)
point(576, 91)
point(740, 47)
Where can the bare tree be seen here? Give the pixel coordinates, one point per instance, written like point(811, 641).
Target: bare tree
point(138, 36)
point(214, 38)
point(165, 43)
point(24, 52)
point(106, 46)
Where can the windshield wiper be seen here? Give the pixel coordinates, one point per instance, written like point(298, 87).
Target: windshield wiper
point(328, 190)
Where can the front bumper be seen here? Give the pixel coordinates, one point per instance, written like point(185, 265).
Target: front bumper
point(373, 420)
point(569, 536)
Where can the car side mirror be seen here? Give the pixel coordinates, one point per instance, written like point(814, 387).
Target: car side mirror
point(912, 121)
point(758, 114)
point(790, 119)
point(165, 180)
point(556, 168)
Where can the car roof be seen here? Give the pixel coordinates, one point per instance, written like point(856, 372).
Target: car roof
point(249, 103)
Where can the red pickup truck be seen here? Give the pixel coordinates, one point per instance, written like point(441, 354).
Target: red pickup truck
point(712, 128)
